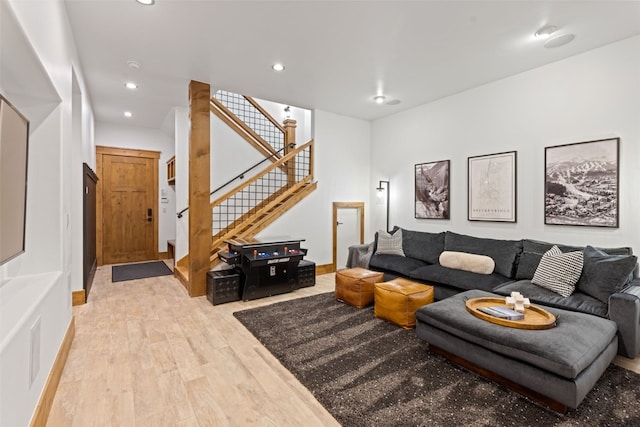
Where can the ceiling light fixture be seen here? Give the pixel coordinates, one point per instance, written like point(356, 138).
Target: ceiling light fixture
point(133, 65)
point(545, 32)
point(128, 114)
point(277, 67)
point(146, 2)
point(379, 99)
point(559, 40)
point(131, 85)
point(394, 102)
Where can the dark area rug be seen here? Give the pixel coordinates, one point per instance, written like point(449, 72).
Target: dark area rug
point(367, 372)
point(121, 273)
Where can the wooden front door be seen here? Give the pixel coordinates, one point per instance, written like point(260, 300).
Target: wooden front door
point(129, 197)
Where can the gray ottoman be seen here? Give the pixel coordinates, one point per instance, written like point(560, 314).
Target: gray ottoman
point(556, 367)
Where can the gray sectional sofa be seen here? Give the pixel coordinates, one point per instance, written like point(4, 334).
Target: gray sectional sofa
point(604, 290)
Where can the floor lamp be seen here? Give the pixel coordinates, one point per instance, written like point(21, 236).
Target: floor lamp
point(380, 188)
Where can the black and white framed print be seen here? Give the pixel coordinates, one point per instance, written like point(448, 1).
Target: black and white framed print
point(491, 187)
point(432, 190)
point(581, 183)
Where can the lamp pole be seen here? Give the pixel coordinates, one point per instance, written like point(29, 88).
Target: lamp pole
point(380, 188)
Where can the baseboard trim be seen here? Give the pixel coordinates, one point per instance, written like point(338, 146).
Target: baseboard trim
point(77, 297)
point(41, 414)
point(164, 255)
point(324, 269)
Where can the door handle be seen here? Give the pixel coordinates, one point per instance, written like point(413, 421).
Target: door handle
point(339, 223)
point(149, 215)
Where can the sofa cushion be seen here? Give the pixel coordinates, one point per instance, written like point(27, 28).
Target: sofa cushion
point(503, 252)
point(422, 245)
point(559, 272)
point(390, 244)
point(604, 274)
point(457, 278)
point(527, 264)
point(395, 263)
point(539, 247)
point(480, 264)
point(539, 295)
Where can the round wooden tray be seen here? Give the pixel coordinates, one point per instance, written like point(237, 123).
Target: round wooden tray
point(534, 317)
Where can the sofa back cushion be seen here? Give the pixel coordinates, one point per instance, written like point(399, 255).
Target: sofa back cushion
point(422, 245)
point(503, 252)
point(604, 274)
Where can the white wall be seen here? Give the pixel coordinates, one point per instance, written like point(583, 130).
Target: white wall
point(140, 138)
point(342, 155)
point(591, 96)
point(182, 126)
point(37, 285)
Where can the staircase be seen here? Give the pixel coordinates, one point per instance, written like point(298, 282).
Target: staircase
point(251, 206)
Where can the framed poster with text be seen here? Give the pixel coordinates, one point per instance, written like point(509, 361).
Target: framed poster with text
point(491, 187)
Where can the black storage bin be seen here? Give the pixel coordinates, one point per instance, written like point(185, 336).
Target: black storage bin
point(223, 286)
point(306, 273)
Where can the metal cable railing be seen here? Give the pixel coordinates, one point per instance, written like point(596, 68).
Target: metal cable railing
point(252, 117)
point(247, 202)
point(239, 176)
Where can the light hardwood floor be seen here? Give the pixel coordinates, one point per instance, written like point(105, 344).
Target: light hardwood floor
point(145, 354)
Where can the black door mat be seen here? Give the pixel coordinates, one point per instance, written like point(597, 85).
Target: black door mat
point(121, 273)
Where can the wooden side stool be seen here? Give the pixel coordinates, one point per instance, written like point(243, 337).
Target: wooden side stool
point(398, 300)
point(354, 286)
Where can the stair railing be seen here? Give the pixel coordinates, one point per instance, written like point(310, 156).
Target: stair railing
point(239, 204)
point(249, 120)
point(241, 175)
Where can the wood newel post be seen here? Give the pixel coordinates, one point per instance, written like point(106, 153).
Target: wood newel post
point(290, 138)
point(199, 183)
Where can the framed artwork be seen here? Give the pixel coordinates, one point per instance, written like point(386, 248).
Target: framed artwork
point(581, 183)
point(432, 190)
point(491, 188)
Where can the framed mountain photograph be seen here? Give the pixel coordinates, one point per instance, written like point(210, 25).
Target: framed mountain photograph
point(432, 190)
point(581, 183)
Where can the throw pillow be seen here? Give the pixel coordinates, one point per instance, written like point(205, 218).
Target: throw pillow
point(604, 274)
point(559, 272)
point(480, 264)
point(390, 244)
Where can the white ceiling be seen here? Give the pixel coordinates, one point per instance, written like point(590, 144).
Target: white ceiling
point(338, 54)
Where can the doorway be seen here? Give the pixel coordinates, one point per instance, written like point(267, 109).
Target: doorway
point(348, 230)
point(127, 204)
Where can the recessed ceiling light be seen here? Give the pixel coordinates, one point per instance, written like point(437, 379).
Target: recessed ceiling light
point(131, 85)
point(394, 102)
point(128, 114)
point(559, 40)
point(545, 32)
point(146, 2)
point(278, 67)
point(379, 99)
point(133, 65)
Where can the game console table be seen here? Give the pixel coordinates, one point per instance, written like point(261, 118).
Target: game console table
point(269, 265)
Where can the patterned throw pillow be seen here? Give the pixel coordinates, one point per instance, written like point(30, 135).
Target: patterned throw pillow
point(559, 272)
point(390, 244)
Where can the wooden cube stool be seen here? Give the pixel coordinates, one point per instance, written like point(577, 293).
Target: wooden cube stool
point(398, 300)
point(354, 286)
